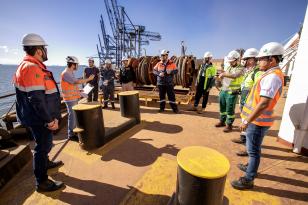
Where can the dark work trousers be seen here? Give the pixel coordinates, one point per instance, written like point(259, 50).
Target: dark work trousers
point(169, 89)
point(93, 95)
point(108, 93)
point(201, 93)
point(43, 144)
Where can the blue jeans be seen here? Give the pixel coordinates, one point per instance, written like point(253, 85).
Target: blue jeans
point(71, 123)
point(254, 138)
point(43, 144)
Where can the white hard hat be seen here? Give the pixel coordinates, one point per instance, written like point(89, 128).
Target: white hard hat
point(33, 39)
point(250, 53)
point(164, 52)
point(91, 59)
point(72, 59)
point(124, 58)
point(271, 49)
point(207, 55)
point(233, 55)
point(107, 61)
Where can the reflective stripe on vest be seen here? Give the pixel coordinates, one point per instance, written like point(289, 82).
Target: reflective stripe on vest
point(69, 91)
point(235, 84)
point(161, 67)
point(210, 71)
point(32, 75)
point(253, 99)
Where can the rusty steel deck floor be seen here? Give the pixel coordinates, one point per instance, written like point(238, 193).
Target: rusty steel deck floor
point(139, 167)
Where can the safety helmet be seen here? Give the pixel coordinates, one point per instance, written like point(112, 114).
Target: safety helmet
point(164, 52)
point(124, 58)
point(72, 59)
point(207, 55)
point(107, 61)
point(250, 53)
point(33, 39)
point(233, 55)
point(271, 49)
point(91, 59)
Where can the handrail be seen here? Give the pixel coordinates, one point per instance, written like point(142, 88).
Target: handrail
point(7, 95)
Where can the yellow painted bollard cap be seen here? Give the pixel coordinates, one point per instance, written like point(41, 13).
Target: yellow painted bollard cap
point(132, 92)
point(203, 162)
point(88, 106)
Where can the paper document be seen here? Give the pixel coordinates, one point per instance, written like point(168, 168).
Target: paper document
point(87, 89)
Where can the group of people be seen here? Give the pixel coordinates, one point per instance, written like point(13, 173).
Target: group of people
point(257, 79)
point(38, 99)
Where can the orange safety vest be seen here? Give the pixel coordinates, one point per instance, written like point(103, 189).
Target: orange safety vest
point(32, 75)
point(266, 118)
point(161, 67)
point(70, 92)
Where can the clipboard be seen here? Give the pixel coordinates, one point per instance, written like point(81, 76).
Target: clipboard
point(87, 89)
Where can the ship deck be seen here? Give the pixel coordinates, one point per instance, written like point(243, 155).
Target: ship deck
point(139, 167)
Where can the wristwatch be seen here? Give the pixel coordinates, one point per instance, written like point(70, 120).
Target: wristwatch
point(245, 122)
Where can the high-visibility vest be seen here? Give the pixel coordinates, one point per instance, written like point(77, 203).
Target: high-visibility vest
point(170, 66)
point(209, 72)
point(32, 75)
point(70, 92)
point(235, 84)
point(253, 99)
point(251, 77)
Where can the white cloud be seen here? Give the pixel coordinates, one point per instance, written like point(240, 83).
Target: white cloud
point(4, 48)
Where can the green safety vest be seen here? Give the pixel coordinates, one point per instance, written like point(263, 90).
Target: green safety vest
point(251, 77)
point(209, 72)
point(235, 84)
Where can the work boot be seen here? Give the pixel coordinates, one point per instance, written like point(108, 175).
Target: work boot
point(54, 164)
point(242, 183)
point(220, 124)
point(200, 111)
point(176, 111)
point(192, 108)
point(161, 110)
point(73, 138)
point(239, 140)
point(49, 185)
point(112, 105)
point(242, 167)
point(105, 106)
point(242, 153)
point(228, 128)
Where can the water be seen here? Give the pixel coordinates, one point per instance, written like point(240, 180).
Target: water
point(6, 87)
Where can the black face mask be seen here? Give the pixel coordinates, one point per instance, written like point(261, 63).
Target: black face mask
point(44, 56)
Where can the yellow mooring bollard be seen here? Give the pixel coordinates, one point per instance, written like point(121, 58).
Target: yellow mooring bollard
point(90, 125)
point(201, 176)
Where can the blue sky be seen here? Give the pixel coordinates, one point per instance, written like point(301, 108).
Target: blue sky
point(70, 27)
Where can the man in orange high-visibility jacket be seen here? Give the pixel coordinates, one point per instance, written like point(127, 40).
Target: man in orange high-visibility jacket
point(38, 107)
point(257, 113)
point(71, 93)
point(165, 70)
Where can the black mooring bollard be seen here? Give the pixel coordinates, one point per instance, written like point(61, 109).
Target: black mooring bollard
point(90, 125)
point(129, 104)
point(201, 176)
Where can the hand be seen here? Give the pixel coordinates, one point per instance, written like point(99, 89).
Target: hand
point(243, 127)
point(168, 72)
point(53, 125)
point(162, 74)
point(91, 77)
point(221, 75)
